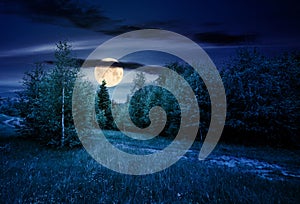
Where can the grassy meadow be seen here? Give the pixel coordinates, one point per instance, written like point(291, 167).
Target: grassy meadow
point(31, 173)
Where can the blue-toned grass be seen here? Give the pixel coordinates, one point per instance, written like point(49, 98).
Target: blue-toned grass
point(31, 173)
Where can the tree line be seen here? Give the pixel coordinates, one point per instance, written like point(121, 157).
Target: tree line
point(262, 100)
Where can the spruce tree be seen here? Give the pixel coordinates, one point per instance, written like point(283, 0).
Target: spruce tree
point(103, 104)
point(30, 103)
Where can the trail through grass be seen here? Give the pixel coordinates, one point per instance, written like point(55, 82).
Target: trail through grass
point(31, 173)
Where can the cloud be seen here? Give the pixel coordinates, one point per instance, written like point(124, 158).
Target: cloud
point(77, 13)
point(48, 48)
point(94, 63)
point(120, 29)
point(80, 13)
point(212, 24)
point(224, 38)
point(31, 50)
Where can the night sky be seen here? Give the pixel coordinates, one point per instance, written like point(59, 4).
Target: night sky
point(30, 29)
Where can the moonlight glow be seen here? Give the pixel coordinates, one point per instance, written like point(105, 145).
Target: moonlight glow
point(111, 75)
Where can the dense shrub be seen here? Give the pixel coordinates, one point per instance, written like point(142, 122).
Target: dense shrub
point(262, 99)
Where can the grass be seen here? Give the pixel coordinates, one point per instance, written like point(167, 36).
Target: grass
point(31, 173)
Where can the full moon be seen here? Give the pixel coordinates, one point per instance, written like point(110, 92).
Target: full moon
point(111, 75)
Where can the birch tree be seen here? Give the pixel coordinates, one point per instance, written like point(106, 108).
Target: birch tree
point(63, 77)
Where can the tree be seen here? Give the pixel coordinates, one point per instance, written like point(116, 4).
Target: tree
point(61, 81)
point(30, 103)
point(138, 104)
point(138, 82)
point(262, 98)
point(46, 102)
point(145, 97)
point(103, 108)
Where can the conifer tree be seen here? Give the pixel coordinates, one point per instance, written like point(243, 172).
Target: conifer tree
point(30, 102)
point(103, 104)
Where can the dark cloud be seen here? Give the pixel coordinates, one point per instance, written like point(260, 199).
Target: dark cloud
point(94, 63)
point(74, 13)
point(166, 23)
point(224, 38)
point(53, 11)
point(126, 65)
point(120, 29)
point(212, 24)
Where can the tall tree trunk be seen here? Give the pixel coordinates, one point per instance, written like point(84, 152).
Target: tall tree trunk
point(63, 117)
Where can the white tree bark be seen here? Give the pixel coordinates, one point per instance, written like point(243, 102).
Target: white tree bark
point(63, 117)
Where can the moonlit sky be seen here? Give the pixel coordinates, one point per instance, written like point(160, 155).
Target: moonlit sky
point(30, 29)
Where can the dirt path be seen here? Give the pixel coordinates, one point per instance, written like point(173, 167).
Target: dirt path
point(267, 170)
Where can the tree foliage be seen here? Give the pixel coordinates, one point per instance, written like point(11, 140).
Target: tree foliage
point(263, 98)
point(146, 96)
point(103, 108)
point(46, 102)
point(30, 105)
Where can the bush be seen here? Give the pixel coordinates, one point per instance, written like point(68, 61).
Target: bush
point(262, 99)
